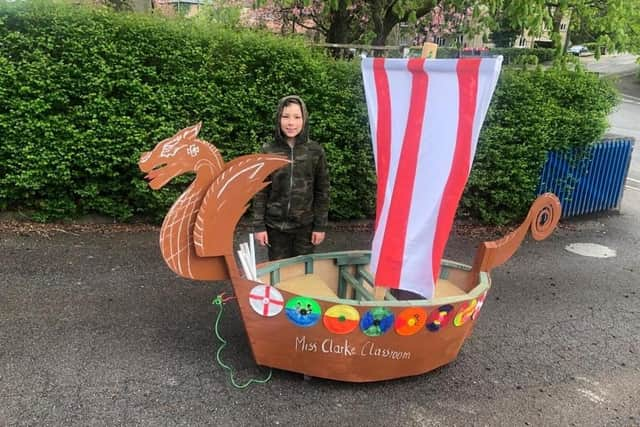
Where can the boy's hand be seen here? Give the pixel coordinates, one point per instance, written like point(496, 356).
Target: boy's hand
point(317, 237)
point(262, 238)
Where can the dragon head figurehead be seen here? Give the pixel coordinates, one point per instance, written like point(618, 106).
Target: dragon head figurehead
point(182, 153)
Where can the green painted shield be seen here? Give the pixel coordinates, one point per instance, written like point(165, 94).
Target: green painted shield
point(303, 311)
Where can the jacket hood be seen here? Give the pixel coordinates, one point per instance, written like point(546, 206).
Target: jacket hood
point(304, 134)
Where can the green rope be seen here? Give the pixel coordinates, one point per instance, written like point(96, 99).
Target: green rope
point(219, 301)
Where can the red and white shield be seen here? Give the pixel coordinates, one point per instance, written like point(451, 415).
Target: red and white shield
point(266, 300)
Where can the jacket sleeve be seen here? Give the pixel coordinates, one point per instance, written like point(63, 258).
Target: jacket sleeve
point(258, 209)
point(321, 194)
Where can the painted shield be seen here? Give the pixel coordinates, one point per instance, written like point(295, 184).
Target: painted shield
point(440, 317)
point(376, 321)
point(266, 300)
point(341, 319)
point(465, 312)
point(410, 321)
point(303, 311)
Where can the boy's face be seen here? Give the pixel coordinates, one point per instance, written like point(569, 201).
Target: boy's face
point(291, 121)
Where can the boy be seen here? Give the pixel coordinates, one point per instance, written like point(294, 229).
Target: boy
point(290, 215)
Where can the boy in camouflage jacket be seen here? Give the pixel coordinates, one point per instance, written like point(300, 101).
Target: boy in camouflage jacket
point(290, 214)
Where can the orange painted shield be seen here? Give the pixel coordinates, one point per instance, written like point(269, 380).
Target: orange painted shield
point(410, 321)
point(341, 319)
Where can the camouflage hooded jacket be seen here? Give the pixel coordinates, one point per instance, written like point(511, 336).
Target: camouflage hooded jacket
point(298, 195)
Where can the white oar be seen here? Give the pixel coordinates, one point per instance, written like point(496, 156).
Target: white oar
point(252, 252)
point(245, 264)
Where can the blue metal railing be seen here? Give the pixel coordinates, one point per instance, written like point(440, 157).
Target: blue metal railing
point(588, 181)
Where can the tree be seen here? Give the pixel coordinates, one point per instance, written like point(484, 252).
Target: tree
point(338, 21)
point(444, 21)
point(613, 22)
point(349, 21)
point(119, 5)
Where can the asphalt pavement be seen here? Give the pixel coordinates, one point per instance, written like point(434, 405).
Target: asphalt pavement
point(96, 330)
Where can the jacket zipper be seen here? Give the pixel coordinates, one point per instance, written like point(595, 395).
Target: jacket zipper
point(286, 218)
point(290, 183)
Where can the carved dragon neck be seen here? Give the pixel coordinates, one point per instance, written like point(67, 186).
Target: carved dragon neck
point(176, 234)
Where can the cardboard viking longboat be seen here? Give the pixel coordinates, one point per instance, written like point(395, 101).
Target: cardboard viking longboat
point(395, 311)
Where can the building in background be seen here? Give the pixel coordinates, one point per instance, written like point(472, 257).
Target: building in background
point(526, 39)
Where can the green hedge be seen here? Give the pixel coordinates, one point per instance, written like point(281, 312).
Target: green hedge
point(83, 92)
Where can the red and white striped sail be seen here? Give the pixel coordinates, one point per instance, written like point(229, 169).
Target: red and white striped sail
point(425, 118)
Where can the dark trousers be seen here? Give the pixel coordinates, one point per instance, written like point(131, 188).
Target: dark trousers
point(290, 243)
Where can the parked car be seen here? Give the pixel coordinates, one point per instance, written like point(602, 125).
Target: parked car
point(578, 50)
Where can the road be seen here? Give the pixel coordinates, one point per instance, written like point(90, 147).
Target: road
point(620, 64)
point(95, 330)
point(624, 120)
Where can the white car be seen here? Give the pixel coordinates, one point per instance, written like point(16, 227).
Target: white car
point(578, 50)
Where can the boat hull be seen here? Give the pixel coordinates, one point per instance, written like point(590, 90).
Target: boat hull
point(424, 334)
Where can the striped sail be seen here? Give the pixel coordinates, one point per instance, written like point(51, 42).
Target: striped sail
point(425, 118)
